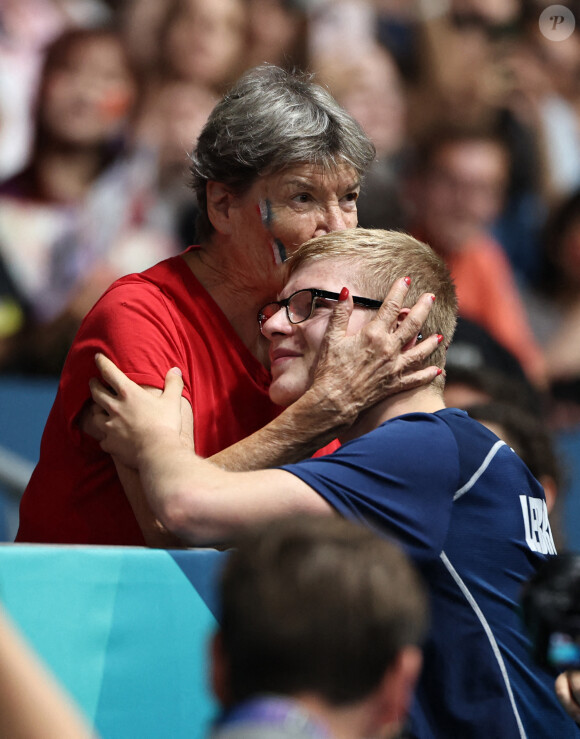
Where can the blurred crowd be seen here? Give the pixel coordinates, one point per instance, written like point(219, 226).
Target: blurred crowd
point(473, 109)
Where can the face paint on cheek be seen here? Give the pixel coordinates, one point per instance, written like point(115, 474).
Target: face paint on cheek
point(267, 215)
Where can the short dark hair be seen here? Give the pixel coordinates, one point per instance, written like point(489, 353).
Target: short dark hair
point(317, 604)
point(271, 120)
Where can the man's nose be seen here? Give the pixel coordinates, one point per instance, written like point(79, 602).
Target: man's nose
point(276, 324)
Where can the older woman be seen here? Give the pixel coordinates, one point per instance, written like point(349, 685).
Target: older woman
point(277, 163)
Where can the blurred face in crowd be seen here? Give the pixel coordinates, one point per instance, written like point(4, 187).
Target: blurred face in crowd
point(87, 94)
point(370, 89)
point(206, 40)
point(462, 191)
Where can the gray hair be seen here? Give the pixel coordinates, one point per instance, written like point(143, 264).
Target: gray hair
point(269, 121)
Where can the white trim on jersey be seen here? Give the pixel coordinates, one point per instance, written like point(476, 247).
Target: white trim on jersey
point(479, 472)
point(489, 633)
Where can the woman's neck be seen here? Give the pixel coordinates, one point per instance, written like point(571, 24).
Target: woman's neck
point(239, 288)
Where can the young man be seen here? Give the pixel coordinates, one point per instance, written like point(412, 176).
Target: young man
point(464, 506)
point(284, 665)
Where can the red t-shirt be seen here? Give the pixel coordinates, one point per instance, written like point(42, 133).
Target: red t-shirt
point(146, 323)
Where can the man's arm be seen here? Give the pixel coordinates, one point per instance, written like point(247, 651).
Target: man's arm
point(193, 498)
point(154, 533)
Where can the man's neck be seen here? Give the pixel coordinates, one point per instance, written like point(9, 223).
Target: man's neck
point(420, 400)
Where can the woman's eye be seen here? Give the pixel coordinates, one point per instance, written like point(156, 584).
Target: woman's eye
point(351, 197)
point(303, 197)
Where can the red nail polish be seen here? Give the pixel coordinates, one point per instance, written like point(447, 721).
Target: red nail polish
point(439, 338)
point(343, 294)
point(433, 298)
point(439, 372)
point(408, 280)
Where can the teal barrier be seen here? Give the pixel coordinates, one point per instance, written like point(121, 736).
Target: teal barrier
point(125, 631)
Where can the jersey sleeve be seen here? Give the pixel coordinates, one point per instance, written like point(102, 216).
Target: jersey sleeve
point(399, 479)
point(134, 325)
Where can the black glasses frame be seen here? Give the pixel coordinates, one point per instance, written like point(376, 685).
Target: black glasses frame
point(315, 293)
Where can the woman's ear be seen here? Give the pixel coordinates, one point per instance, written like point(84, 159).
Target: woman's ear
point(219, 202)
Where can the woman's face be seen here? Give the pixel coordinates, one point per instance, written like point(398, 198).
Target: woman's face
point(88, 94)
point(206, 40)
point(293, 206)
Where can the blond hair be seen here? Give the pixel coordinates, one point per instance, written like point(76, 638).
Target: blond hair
point(378, 259)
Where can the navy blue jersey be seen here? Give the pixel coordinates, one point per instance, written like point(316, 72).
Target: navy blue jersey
point(474, 520)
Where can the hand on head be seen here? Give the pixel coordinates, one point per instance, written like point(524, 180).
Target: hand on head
point(382, 358)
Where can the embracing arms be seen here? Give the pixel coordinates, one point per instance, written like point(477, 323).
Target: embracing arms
point(193, 498)
point(354, 373)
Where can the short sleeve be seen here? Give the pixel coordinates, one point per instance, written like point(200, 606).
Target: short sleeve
point(133, 324)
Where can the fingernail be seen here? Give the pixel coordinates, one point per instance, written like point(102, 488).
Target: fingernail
point(439, 338)
point(408, 280)
point(343, 294)
point(439, 372)
point(176, 371)
point(433, 298)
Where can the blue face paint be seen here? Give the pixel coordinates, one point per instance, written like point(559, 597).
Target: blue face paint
point(267, 215)
point(279, 251)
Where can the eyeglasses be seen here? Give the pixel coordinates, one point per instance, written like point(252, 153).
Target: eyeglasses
point(300, 305)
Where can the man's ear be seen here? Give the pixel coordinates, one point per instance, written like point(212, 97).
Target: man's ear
point(219, 203)
point(219, 670)
point(403, 313)
point(396, 689)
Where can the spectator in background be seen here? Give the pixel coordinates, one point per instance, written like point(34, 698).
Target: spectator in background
point(27, 26)
point(75, 218)
point(320, 628)
point(554, 306)
point(197, 48)
point(370, 87)
point(456, 193)
point(278, 32)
